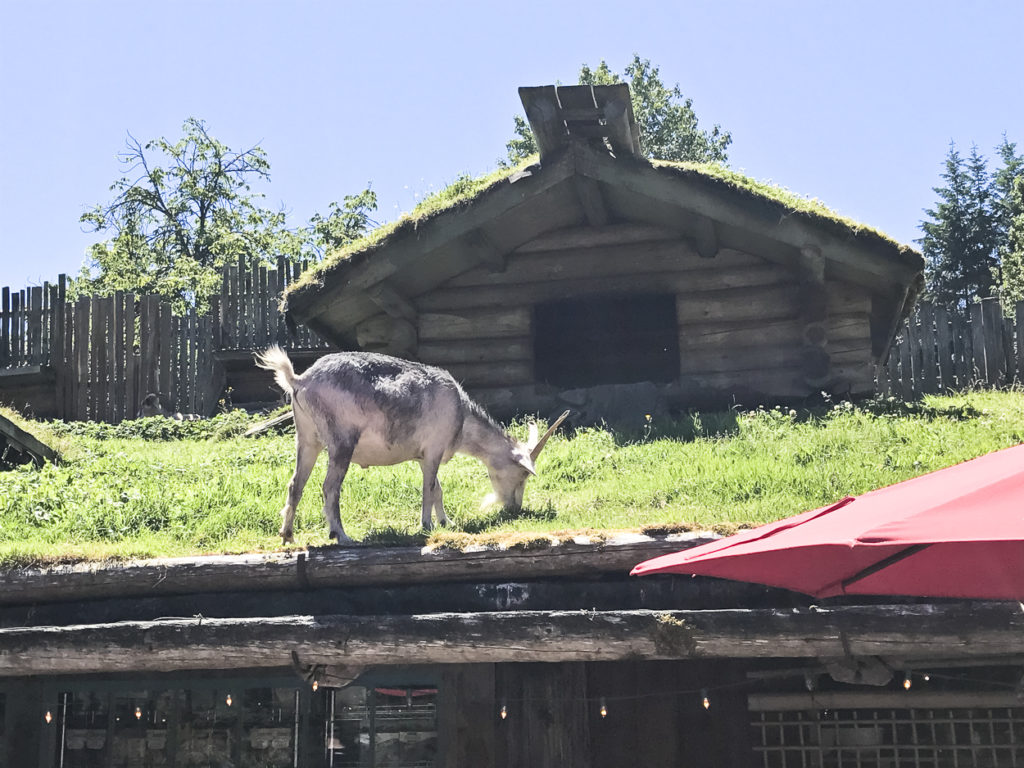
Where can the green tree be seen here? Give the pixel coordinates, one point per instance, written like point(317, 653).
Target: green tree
point(960, 242)
point(183, 209)
point(1013, 257)
point(669, 127)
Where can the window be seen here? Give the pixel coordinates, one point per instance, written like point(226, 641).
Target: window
point(582, 342)
point(385, 727)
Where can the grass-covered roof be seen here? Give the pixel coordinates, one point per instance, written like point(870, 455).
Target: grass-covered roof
point(717, 179)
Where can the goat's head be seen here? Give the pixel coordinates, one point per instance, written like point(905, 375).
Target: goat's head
point(508, 477)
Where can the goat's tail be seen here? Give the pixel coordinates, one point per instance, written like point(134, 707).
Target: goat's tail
point(276, 359)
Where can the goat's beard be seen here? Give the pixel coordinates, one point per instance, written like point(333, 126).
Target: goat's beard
point(489, 500)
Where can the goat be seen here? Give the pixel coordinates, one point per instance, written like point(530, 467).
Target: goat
point(377, 410)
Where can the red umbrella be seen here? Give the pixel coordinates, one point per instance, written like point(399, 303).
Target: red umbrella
point(957, 532)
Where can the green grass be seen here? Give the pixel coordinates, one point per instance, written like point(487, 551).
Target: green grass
point(116, 495)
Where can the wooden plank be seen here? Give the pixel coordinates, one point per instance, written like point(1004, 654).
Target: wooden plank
point(542, 112)
point(165, 347)
point(116, 350)
point(55, 358)
point(591, 201)
point(980, 369)
point(276, 327)
point(469, 324)
point(467, 716)
point(944, 350)
point(818, 700)
point(24, 442)
point(961, 349)
point(912, 632)
point(81, 378)
point(34, 318)
point(740, 358)
point(1019, 312)
point(995, 352)
point(97, 358)
point(929, 356)
point(17, 353)
point(131, 360)
point(148, 329)
point(759, 303)
point(6, 357)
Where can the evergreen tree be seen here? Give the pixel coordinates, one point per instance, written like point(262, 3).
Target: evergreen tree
point(960, 243)
point(1013, 257)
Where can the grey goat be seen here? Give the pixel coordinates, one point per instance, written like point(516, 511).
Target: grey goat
point(378, 410)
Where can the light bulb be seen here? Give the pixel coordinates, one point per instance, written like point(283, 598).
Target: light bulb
point(138, 713)
point(927, 677)
point(316, 684)
point(503, 714)
point(604, 708)
point(48, 717)
point(907, 681)
point(228, 700)
point(704, 700)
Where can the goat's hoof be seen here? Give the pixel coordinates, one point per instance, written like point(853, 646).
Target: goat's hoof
point(286, 537)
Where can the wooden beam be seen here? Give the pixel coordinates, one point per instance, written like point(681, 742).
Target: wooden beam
point(706, 238)
point(592, 201)
point(489, 253)
point(542, 111)
point(796, 231)
point(914, 631)
point(328, 567)
point(818, 700)
point(391, 302)
point(588, 237)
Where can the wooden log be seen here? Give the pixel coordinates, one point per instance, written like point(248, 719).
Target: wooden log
point(911, 631)
point(475, 351)
point(328, 567)
point(479, 323)
point(658, 256)
point(589, 238)
point(541, 106)
point(748, 357)
point(390, 335)
point(770, 303)
point(490, 374)
point(517, 294)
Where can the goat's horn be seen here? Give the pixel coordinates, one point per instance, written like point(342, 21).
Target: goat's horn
point(535, 451)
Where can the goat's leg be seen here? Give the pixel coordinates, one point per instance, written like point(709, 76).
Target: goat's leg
point(340, 456)
point(433, 496)
point(305, 457)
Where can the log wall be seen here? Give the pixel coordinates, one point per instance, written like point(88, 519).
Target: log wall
point(741, 319)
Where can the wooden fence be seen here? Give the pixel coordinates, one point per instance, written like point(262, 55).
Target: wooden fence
point(106, 353)
point(941, 351)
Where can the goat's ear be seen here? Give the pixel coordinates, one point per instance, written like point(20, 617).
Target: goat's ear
point(527, 463)
point(534, 436)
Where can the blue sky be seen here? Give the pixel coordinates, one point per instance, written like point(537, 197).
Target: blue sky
point(854, 103)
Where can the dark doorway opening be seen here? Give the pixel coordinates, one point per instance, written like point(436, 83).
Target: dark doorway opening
point(581, 342)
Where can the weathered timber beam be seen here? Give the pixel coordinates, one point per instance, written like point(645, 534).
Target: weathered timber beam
point(489, 253)
point(388, 334)
point(392, 303)
point(328, 567)
point(617, 115)
point(792, 230)
point(917, 631)
point(796, 702)
point(706, 238)
point(404, 250)
point(588, 237)
point(815, 364)
point(541, 106)
point(592, 201)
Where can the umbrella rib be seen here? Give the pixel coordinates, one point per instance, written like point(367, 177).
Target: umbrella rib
point(881, 565)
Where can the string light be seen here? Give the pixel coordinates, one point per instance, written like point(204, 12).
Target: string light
point(704, 700)
point(604, 708)
point(316, 684)
point(907, 682)
point(503, 713)
point(926, 677)
point(48, 717)
point(138, 713)
point(228, 700)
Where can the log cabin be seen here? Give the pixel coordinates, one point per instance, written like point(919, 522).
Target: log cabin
point(342, 657)
point(593, 267)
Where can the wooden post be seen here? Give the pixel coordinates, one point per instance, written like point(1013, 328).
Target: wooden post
point(929, 359)
point(980, 370)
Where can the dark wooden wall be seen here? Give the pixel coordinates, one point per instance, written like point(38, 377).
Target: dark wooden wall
point(654, 715)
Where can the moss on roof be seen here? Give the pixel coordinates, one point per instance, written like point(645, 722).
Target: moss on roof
point(464, 190)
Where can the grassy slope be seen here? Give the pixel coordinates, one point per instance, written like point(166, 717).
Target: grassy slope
point(129, 497)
